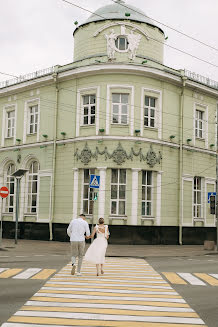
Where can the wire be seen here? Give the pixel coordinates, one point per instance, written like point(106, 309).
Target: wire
point(186, 53)
point(8, 74)
point(172, 28)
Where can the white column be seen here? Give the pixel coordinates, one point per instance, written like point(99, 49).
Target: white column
point(75, 191)
point(101, 195)
point(135, 184)
point(158, 199)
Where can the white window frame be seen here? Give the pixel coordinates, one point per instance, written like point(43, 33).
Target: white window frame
point(89, 199)
point(157, 94)
point(117, 200)
point(89, 107)
point(117, 43)
point(195, 204)
point(29, 208)
point(8, 181)
point(150, 108)
point(26, 130)
point(204, 108)
point(35, 115)
point(146, 186)
point(120, 88)
point(79, 112)
point(119, 114)
point(10, 129)
point(199, 120)
point(6, 110)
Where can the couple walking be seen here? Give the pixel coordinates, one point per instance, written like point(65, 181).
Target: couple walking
point(96, 252)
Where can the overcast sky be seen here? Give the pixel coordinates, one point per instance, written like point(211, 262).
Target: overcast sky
point(35, 34)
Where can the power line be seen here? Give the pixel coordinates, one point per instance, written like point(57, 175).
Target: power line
point(172, 28)
point(179, 50)
point(8, 74)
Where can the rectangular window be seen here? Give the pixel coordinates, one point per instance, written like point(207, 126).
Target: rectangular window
point(197, 208)
point(10, 123)
point(118, 192)
point(146, 193)
point(149, 111)
point(120, 108)
point(199, 123)
point(87, 192)
point(89, 109)
point(33, 119)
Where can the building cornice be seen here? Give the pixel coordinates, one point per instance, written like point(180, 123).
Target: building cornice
point(108, 68)
point(107, 138)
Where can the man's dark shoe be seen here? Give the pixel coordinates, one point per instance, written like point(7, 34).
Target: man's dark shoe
point(73, 270)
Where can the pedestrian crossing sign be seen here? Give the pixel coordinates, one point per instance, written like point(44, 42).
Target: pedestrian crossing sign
point(94, 181)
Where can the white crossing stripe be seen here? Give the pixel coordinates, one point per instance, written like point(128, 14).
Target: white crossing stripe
point(3, 269)
point(191, 279)
point(27, 273)
point(214, 275)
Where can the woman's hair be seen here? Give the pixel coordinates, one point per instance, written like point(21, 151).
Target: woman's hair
point(101, 221)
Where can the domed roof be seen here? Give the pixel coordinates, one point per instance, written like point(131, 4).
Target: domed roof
point(118, 10)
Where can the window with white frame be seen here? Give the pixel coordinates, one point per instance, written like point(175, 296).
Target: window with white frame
point(120, 108)
point(33, 183)
point(87, 193)
point(197, 206)
point(199, 124)
point(89, 109)
point(121, 43)
point(10, 123)
point(118, 192)
point(10, 183)
point(33, 119)
point(149, 111)
point(146, 193)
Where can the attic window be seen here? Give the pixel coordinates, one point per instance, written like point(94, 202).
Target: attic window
point(121, 43)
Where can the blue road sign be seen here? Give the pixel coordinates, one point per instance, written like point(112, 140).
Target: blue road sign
point(94, 181)
point(209, 194)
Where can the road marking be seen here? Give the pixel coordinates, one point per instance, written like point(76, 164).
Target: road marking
point(174, 278)
point(10, 272)
point(27, 273)
point(44, 274)
point(112, 300)
point(214, 275)
point(192, 279)
point(3, 269)
point(210, 280)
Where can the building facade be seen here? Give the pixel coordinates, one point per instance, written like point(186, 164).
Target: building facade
point(116, 111)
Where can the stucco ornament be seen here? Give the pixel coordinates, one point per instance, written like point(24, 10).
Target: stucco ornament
point(152, 158)
point(111, 47)
point(133, 40)
point(119, 155)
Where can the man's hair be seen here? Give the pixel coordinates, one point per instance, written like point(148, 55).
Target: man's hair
point(101, 221)
point(82, 215)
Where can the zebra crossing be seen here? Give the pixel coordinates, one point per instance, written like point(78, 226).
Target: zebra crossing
point(29, 273)
point(195, 279)
point(129, 293)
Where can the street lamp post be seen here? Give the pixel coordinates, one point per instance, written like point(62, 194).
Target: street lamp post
point(18, 174)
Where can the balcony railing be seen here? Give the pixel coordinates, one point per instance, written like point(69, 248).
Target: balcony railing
point(27, 77)
point(201, 79)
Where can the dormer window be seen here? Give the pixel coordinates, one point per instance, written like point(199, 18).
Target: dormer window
point(121, 43)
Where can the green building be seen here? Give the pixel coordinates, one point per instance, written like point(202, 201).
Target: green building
point(116, 111)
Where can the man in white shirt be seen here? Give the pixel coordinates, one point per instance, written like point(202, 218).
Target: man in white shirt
point(76, 230)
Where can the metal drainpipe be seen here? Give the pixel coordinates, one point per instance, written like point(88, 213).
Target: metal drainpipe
point(55, 76)
point(181, 157)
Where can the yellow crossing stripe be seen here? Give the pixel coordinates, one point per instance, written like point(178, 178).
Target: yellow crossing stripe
point(74, 322)
point(210, 280)
point(174, 278)
point(10, 272)
point(44, 274)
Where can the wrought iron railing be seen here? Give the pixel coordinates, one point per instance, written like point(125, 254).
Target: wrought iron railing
point(201, 79)
point(27, 77)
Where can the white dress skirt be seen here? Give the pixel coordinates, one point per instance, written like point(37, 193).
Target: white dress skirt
point(96, 252)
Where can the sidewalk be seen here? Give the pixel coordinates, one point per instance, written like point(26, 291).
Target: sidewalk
point(143, 251)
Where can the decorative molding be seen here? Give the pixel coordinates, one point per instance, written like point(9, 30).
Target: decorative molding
point(119, 155)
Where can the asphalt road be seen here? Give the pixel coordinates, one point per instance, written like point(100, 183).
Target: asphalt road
point(203, 299)
point(15, 292)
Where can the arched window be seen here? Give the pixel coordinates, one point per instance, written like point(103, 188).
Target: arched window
point(33, 187)
point(10, 183)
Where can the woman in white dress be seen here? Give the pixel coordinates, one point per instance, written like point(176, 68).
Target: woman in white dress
point(96, 252)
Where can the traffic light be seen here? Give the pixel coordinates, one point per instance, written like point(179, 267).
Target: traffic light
point(212, 204)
